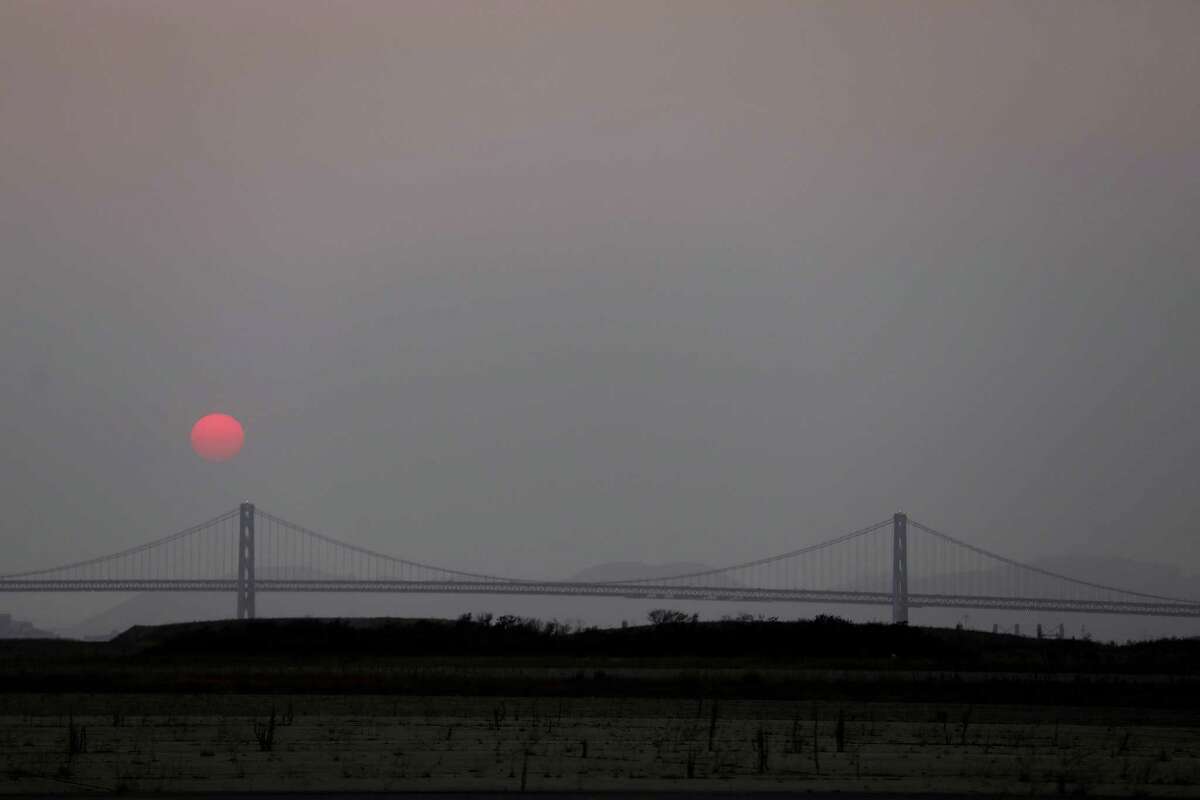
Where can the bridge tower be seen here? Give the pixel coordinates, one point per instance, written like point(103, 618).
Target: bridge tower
point(900, 568)
point(245, 581)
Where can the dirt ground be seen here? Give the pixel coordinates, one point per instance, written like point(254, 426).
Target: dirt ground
point(167, 743)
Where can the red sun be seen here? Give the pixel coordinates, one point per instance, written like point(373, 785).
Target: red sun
point(217, 437)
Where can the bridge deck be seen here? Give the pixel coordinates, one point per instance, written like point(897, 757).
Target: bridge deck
point(632, 591)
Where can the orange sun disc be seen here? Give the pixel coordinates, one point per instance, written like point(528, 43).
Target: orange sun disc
point(217, 437)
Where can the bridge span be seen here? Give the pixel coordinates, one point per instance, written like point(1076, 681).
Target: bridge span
point(897, 562)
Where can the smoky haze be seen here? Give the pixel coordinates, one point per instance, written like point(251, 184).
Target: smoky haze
point(530, 287)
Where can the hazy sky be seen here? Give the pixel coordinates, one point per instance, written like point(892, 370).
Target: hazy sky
point(525, 287)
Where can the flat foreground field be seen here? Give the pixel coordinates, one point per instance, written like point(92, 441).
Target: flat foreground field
point(56, 743)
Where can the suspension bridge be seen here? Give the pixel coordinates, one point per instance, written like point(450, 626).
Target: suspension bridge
point(897, 562)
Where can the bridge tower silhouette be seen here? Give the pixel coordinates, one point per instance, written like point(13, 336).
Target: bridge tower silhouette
point(900, 568)
point(245, 578)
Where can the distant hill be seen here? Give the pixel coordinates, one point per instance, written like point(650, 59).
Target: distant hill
point(824, 641)
point(1140, 576)
point(825, 660)
point(18, 629)
point(636, 570)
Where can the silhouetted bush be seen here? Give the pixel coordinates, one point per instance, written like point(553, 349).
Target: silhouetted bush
point(264, 733)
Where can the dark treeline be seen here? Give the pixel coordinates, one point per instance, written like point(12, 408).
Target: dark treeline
point(823, 641)
point(676, 655)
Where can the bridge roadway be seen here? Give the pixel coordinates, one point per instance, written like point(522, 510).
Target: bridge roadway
point(640, 591)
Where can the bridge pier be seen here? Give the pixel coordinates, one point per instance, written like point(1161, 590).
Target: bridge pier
point(900, 569)
point(245, 579)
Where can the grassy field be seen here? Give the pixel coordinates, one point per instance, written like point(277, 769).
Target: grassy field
point(517, 705)
point(56, 743)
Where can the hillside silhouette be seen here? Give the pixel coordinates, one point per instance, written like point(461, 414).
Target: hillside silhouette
point(823, 658)
point(822, 641)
